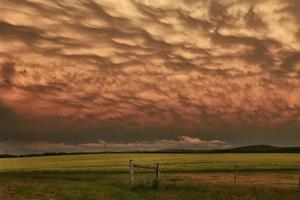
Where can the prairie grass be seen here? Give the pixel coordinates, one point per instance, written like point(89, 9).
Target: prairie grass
point(183, 176)
point(94, 186)
point(169, 162)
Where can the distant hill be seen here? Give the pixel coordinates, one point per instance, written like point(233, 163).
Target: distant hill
point(243, 149)
point(251, 149)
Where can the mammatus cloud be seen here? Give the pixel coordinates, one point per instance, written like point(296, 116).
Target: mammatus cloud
point(75, 71)
point(185, 142)
point(8, 73)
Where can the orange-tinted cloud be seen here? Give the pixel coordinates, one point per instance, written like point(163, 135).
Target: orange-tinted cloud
point(168, 66)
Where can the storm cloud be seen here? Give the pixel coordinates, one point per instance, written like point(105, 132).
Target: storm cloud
point(100, 146)
point(75, 72)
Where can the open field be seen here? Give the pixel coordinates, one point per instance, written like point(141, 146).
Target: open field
point(169, 162)
point(183, 176)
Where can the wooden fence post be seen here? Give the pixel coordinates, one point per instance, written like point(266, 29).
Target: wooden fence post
point(131, 178)
point(157, 171)
point(155, 184)
point(299, 184)
point(235, 176)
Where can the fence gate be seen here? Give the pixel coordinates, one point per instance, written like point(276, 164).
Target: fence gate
point(133, 165)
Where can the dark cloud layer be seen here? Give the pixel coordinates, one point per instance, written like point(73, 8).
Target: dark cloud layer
point(8, 73)
point(76, 72)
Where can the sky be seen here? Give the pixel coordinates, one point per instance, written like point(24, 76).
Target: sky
point(148, 74)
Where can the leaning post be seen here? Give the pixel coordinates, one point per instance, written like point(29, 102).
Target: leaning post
point(131, 178)
point(235, 176)
point(155, 184)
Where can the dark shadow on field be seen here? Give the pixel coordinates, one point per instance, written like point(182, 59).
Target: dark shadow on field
point(175, 186)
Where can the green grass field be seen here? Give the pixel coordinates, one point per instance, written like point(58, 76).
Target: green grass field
point(183, 176)
point(169, 162)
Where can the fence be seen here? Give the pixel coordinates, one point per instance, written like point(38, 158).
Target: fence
point(132, 165)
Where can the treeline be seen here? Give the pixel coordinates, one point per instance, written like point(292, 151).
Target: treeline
point(243, 149)
point(43, 154)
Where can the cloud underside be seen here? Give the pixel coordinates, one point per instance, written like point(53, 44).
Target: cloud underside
point(135, 64)
point(182, 142)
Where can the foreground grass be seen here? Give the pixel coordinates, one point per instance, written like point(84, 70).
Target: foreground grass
point(183, 176)
point(93, 186)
